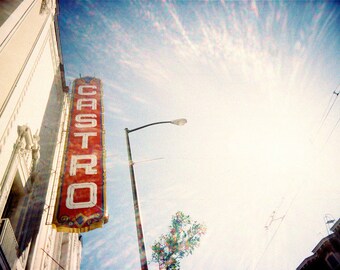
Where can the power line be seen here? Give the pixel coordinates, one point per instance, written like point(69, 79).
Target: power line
point(53, 259)
point(337, 123)
point(277, 229)
point(330, 106)
point(329, 136)
point(273, 217)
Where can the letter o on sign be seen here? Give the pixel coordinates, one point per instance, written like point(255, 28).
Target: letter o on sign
point(71, 204)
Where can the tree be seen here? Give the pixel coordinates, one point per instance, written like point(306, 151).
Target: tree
point(183, 238)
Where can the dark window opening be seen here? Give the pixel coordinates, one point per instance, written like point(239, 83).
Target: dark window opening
point(333, 261)
point(14, 205)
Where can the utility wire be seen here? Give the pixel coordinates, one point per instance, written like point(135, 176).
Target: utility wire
point(53, 259)
point(330, 134)
point(277, 229)
point(337, 123)
point(330, 106)
point(273, 217)
point(325, 116)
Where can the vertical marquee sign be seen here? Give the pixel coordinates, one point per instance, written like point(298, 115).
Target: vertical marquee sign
point(80, 204)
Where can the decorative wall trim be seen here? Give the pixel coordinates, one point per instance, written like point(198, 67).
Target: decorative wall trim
point(24, 90)
point(23, 160)
point(12, 24)
point(46, 6)
point(28, 152)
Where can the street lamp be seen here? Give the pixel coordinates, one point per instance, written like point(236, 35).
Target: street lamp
point(140, 237)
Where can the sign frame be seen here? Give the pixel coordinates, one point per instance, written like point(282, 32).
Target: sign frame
point(81, 195)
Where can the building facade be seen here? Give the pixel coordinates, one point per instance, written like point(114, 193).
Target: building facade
point(326, 255)
point(34, 107)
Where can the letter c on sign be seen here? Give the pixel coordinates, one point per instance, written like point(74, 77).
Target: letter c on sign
point(82, 87)
point(70, 204)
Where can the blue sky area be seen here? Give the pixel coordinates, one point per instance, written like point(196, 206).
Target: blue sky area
point(257, 161)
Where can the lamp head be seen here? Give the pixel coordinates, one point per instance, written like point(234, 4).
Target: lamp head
point(179, 122)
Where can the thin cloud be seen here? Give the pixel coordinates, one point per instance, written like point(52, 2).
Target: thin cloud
point(244, 75)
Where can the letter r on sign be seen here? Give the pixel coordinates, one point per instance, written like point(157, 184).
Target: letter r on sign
point(87, 166)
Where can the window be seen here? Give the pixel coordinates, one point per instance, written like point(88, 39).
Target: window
point(333, 261)
point(14, 205)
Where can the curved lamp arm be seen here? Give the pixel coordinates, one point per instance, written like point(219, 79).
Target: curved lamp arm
point(178, 122)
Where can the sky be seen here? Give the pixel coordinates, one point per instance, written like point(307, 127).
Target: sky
point(258, 160)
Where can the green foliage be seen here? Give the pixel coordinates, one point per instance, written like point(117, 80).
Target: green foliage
point(184, 236)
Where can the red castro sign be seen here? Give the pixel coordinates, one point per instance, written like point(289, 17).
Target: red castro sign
point(80, 204)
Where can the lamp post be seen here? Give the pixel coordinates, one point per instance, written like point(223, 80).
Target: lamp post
point(140, 237)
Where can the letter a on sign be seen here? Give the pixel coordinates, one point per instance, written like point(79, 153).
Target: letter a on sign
point(81, 197)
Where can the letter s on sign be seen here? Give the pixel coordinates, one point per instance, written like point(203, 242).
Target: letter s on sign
point(86, 120)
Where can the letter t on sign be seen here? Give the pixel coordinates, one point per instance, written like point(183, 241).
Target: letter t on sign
point(85, 138)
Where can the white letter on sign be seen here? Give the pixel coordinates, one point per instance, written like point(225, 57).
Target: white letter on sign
point(87, 166)
point(87, 102)
point(83, 120)
point(70, 204)
point(81, 90)
point(85, 138)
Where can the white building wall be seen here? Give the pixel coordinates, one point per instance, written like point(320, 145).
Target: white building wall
point(18, 35)
point(22, 59)
point(31, 95)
